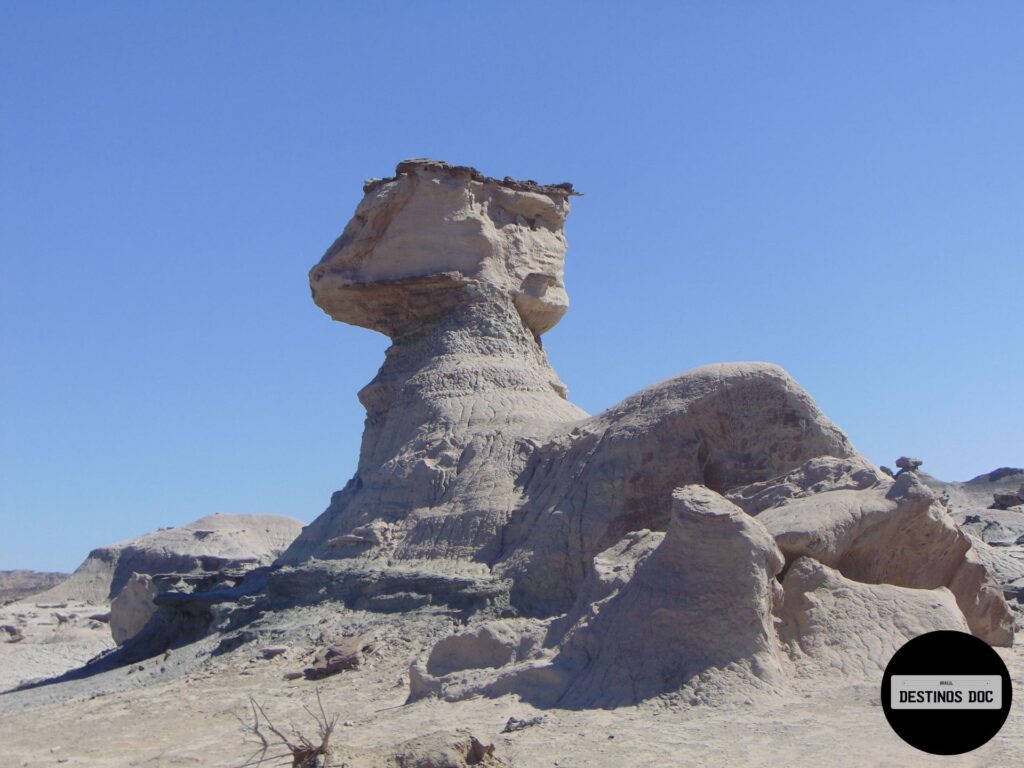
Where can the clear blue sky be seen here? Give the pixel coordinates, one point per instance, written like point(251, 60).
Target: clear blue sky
point(835, 187)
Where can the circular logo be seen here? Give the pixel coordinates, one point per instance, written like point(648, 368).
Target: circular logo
point(946, 692)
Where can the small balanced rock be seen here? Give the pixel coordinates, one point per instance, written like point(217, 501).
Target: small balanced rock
point(908, 464)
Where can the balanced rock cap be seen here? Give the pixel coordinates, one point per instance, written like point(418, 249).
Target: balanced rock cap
point(418, 238)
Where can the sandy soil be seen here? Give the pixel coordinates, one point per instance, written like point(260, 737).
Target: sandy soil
point(57, 637)
point(180, 710)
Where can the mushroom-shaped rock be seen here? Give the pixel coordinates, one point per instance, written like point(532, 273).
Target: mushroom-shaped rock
point(697, 610)
point(908, 463)
point(464, 272)
point(416, 239)
point(473, 455)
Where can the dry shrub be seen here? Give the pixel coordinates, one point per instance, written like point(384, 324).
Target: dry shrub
point(276, 748)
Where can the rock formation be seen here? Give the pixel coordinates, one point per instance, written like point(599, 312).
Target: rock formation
point(895, 533)
point(996, 530)
point(17, 585)
point(706, 538)
point(435, 750)
point(978, 492)
point(463, 273)
point(1009, 500)
point(832, 625)
point(473, 460)
point(210, 544)
point(133, 607)
point(712, 540)
point(481, 487)
point(908, 464)
point(698, 608)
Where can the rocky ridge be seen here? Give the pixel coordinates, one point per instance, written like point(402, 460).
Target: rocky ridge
point(15, 585)
point(984, 509)
point(210, 544)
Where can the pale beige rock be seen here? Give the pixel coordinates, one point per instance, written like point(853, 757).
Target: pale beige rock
point(722, 426)
point(817, 475)
point(418, 237)
point(612, 570)
point(1005, 564)
point(690, 611)
point(475, 467)
point(481, 492)
point(464, 272)
point(133, 607)
point(893, 534)
point(997, 534)
point(492, 644)
point(983, 602)
point(211, 543)
point(697, 610)
point(459, 749)
point(832, 625)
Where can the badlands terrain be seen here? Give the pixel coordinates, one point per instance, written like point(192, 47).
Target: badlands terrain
point(708, 573)
point(15, 585)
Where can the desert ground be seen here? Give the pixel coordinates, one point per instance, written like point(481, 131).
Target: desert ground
point(182, 710)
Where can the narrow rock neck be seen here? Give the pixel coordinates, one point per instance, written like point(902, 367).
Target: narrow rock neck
point(475, 371)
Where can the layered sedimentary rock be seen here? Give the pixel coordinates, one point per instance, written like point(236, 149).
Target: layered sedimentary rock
point(720, 426)
point(698, 608)
point(464, 273)
point(17, 585)
point(894, 532)
point(837, 626)
point(133, 607)
point(481, 487)
point(210, 544)
point(996, 530)
point(472, 454)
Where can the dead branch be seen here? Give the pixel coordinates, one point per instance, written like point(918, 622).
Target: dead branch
point(303, 751)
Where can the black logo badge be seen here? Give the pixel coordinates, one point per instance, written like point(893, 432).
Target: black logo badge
point(946, 692)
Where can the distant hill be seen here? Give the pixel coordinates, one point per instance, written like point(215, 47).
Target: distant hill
point(977, 492)
point(15, 585)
